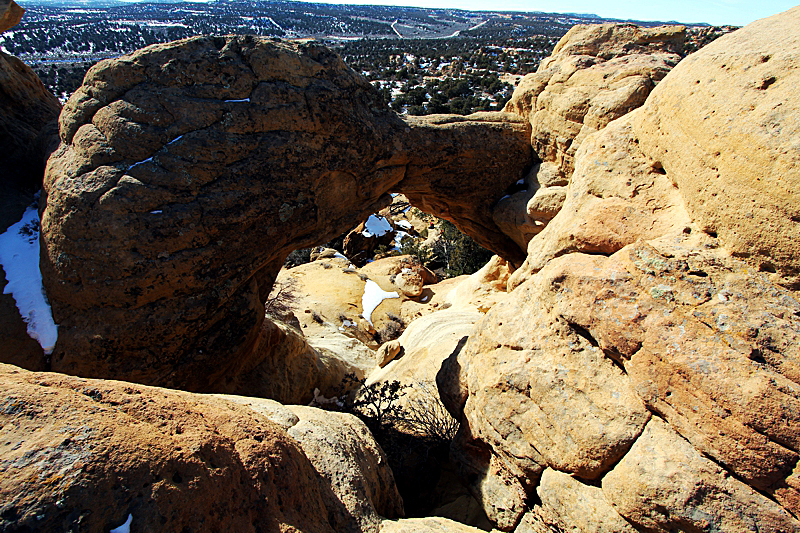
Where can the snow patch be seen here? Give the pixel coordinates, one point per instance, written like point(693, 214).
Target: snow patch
point(403, 224)
point(19, 255)
point(242, 100)
point(124, 528)
point(521, 181)
point(156, 212)
point(176, 139)
point(373, 296)
point(398, 240)
point(376, 226)
point(142, 162)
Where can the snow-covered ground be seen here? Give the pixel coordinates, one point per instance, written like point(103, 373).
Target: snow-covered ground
point(19, 255)
point(376, 226)
point(373, 296)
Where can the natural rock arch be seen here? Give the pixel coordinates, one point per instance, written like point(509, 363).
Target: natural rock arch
point(186, 173)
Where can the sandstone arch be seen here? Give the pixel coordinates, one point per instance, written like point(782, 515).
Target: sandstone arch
point(186, 173)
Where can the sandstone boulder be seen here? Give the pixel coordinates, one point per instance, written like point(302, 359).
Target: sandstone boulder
point(344, 453)
point(595, 74)
point(676, 328)
point(433, 524)
point(28, 124)
point(10, 14)
point(617, 195)
point(94, 454)
point(725, 127)
point(635, 331)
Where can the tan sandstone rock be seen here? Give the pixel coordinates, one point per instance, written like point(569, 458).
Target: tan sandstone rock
point(569, 505)
point(433, 524)
point(726, 128)
point(616, 197)
point(87, 454)
point(675, 325)
point(664, 483)
point(595, 74)
point(10, 14)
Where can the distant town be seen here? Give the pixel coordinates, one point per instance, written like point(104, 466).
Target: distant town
point(422, 60)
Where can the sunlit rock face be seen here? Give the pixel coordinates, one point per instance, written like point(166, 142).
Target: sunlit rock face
point(645, 362)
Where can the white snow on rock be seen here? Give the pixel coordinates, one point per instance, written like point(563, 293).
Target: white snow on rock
point(376, 226)
point(405, 224)
point(19, 255)
point(373, 296)
point(398, 240)
point(240, 100)
point(142, 162)
point(124, 528)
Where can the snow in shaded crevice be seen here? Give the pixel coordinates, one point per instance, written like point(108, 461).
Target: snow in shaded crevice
point(142, 162)
point(405, 224)
point(19, 256)
point(240, 100)
point(375, 226)
point(124, 528)
point(372, 298)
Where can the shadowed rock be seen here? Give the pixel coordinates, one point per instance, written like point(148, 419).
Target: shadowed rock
point(80, 454)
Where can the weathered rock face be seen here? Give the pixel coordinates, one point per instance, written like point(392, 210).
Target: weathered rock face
point(617, 196)
point(668, 330)
point(642, 365)
point(595, 75)
point(10, 14)
point(178, 461)
point(177, 160)
point(726, 128)
point(460, 168)
point(28, 125)
point(187, 172)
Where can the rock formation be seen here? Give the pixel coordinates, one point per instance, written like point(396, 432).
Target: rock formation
point(641, 374)
point(645, 363)
point(187, 171)
point(10, 14)
point(89, 454)
point(595, 75)
point(28, 133)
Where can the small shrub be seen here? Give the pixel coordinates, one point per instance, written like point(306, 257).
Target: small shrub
point(391, 330)
point(425, 414)
point(283, 297)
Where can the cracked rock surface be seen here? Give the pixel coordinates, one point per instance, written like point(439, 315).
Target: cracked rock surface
point(645, 362)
